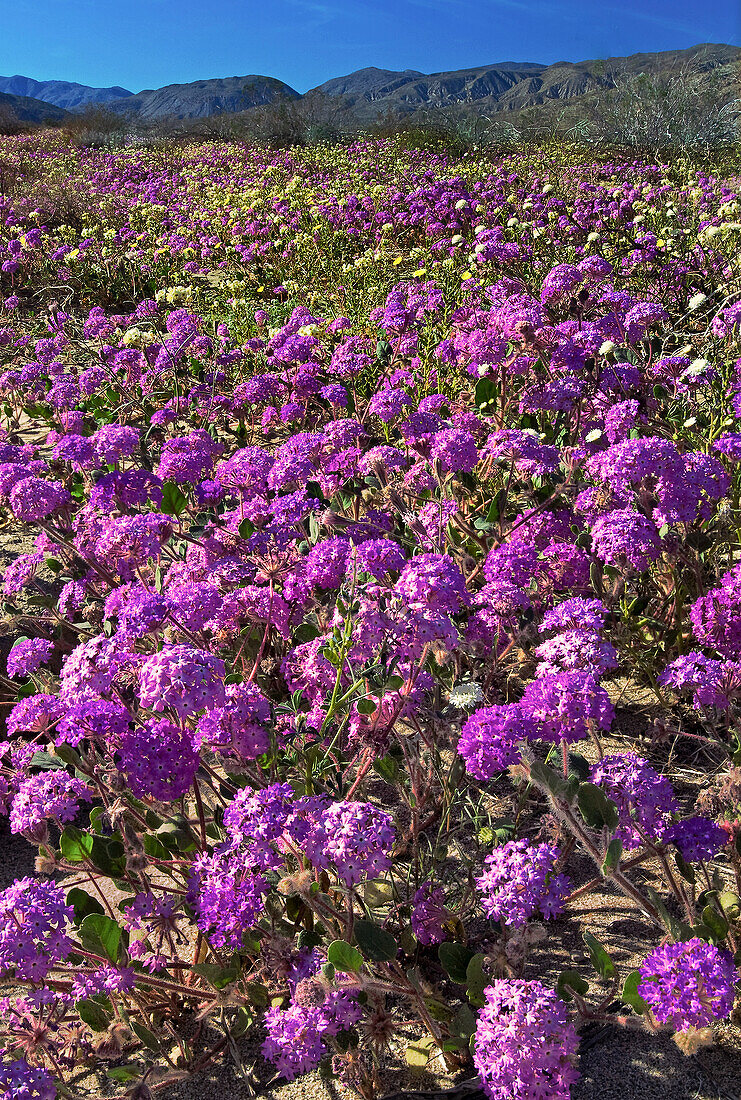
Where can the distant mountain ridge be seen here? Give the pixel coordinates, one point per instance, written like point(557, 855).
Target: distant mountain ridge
point(26, 110)
point(203, 98)
point(369, 93)
point(509, 86)
point(62, 93)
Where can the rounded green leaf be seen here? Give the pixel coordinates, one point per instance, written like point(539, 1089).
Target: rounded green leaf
point(344, 957)
point(375, 943)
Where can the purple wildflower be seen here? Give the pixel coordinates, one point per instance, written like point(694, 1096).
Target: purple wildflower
point(21, 1081)
point(696, 838)
point(28, 655)
point(159, 760)
point(688, 985)
point(644, 799)
point(33, 928)
point(491, 737)
point(518, 881)
point(525, 1047)
point(429, 915)
point(182, 678)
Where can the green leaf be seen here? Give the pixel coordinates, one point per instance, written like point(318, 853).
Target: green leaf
point(68, 755)
point(454, 959)
point(463, 1024)
point(146, 1036)
point(630, 993)
point(601, 961)
point(730, 903)
point(579, 766)
point(75, 845)
point(377, 893)
point(123, 1074)
point(177, 836)
point(485, 393)
point(375, 943)
point(685, 869)
point(387, 767)
point(678, 929)
point(174, 503)
point(476, 981)
point(108, 856)
point(543, 776)
point(45, 762)
point(717, 923)
point(257, 994)
point(242, 1023)
point(367, 706)
point(217, 976)
point(419, 1052)
point(96, 819)
point(153, 846)
point(613, 856)
point(344, 957)
point(596, 808)
point(571, 980)
point(101, 935)
point(94, 1014)
point(83, 904)
point(494, 510)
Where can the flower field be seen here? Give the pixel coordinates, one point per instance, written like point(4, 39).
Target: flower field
point(376, 611)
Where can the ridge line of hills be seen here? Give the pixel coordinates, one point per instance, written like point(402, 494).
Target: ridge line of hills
point(371, 92)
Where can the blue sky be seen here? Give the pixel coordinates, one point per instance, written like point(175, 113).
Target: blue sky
point(148, 43)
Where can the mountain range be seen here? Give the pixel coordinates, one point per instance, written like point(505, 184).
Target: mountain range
point(62, 93)
point(371, 93)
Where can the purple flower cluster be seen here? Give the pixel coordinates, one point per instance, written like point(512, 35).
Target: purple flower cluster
point(644, 799)
point(34, 921)
point(490, 739)
point(626, 539)
point(28, 655)
point(355, 838)
point(240, 725)
point(714, 683)
point(519, 881)
point(21, 1081)
point(562, 706)
point(159, 760)
point(696, 838)
point(525, 1047)
point(716, 617)
point(51, 795)
point(181, 679)
point(227, 895)
point(689, 984)
point(430, 915)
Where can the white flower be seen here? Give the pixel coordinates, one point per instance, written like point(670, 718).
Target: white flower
point(464, 696)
